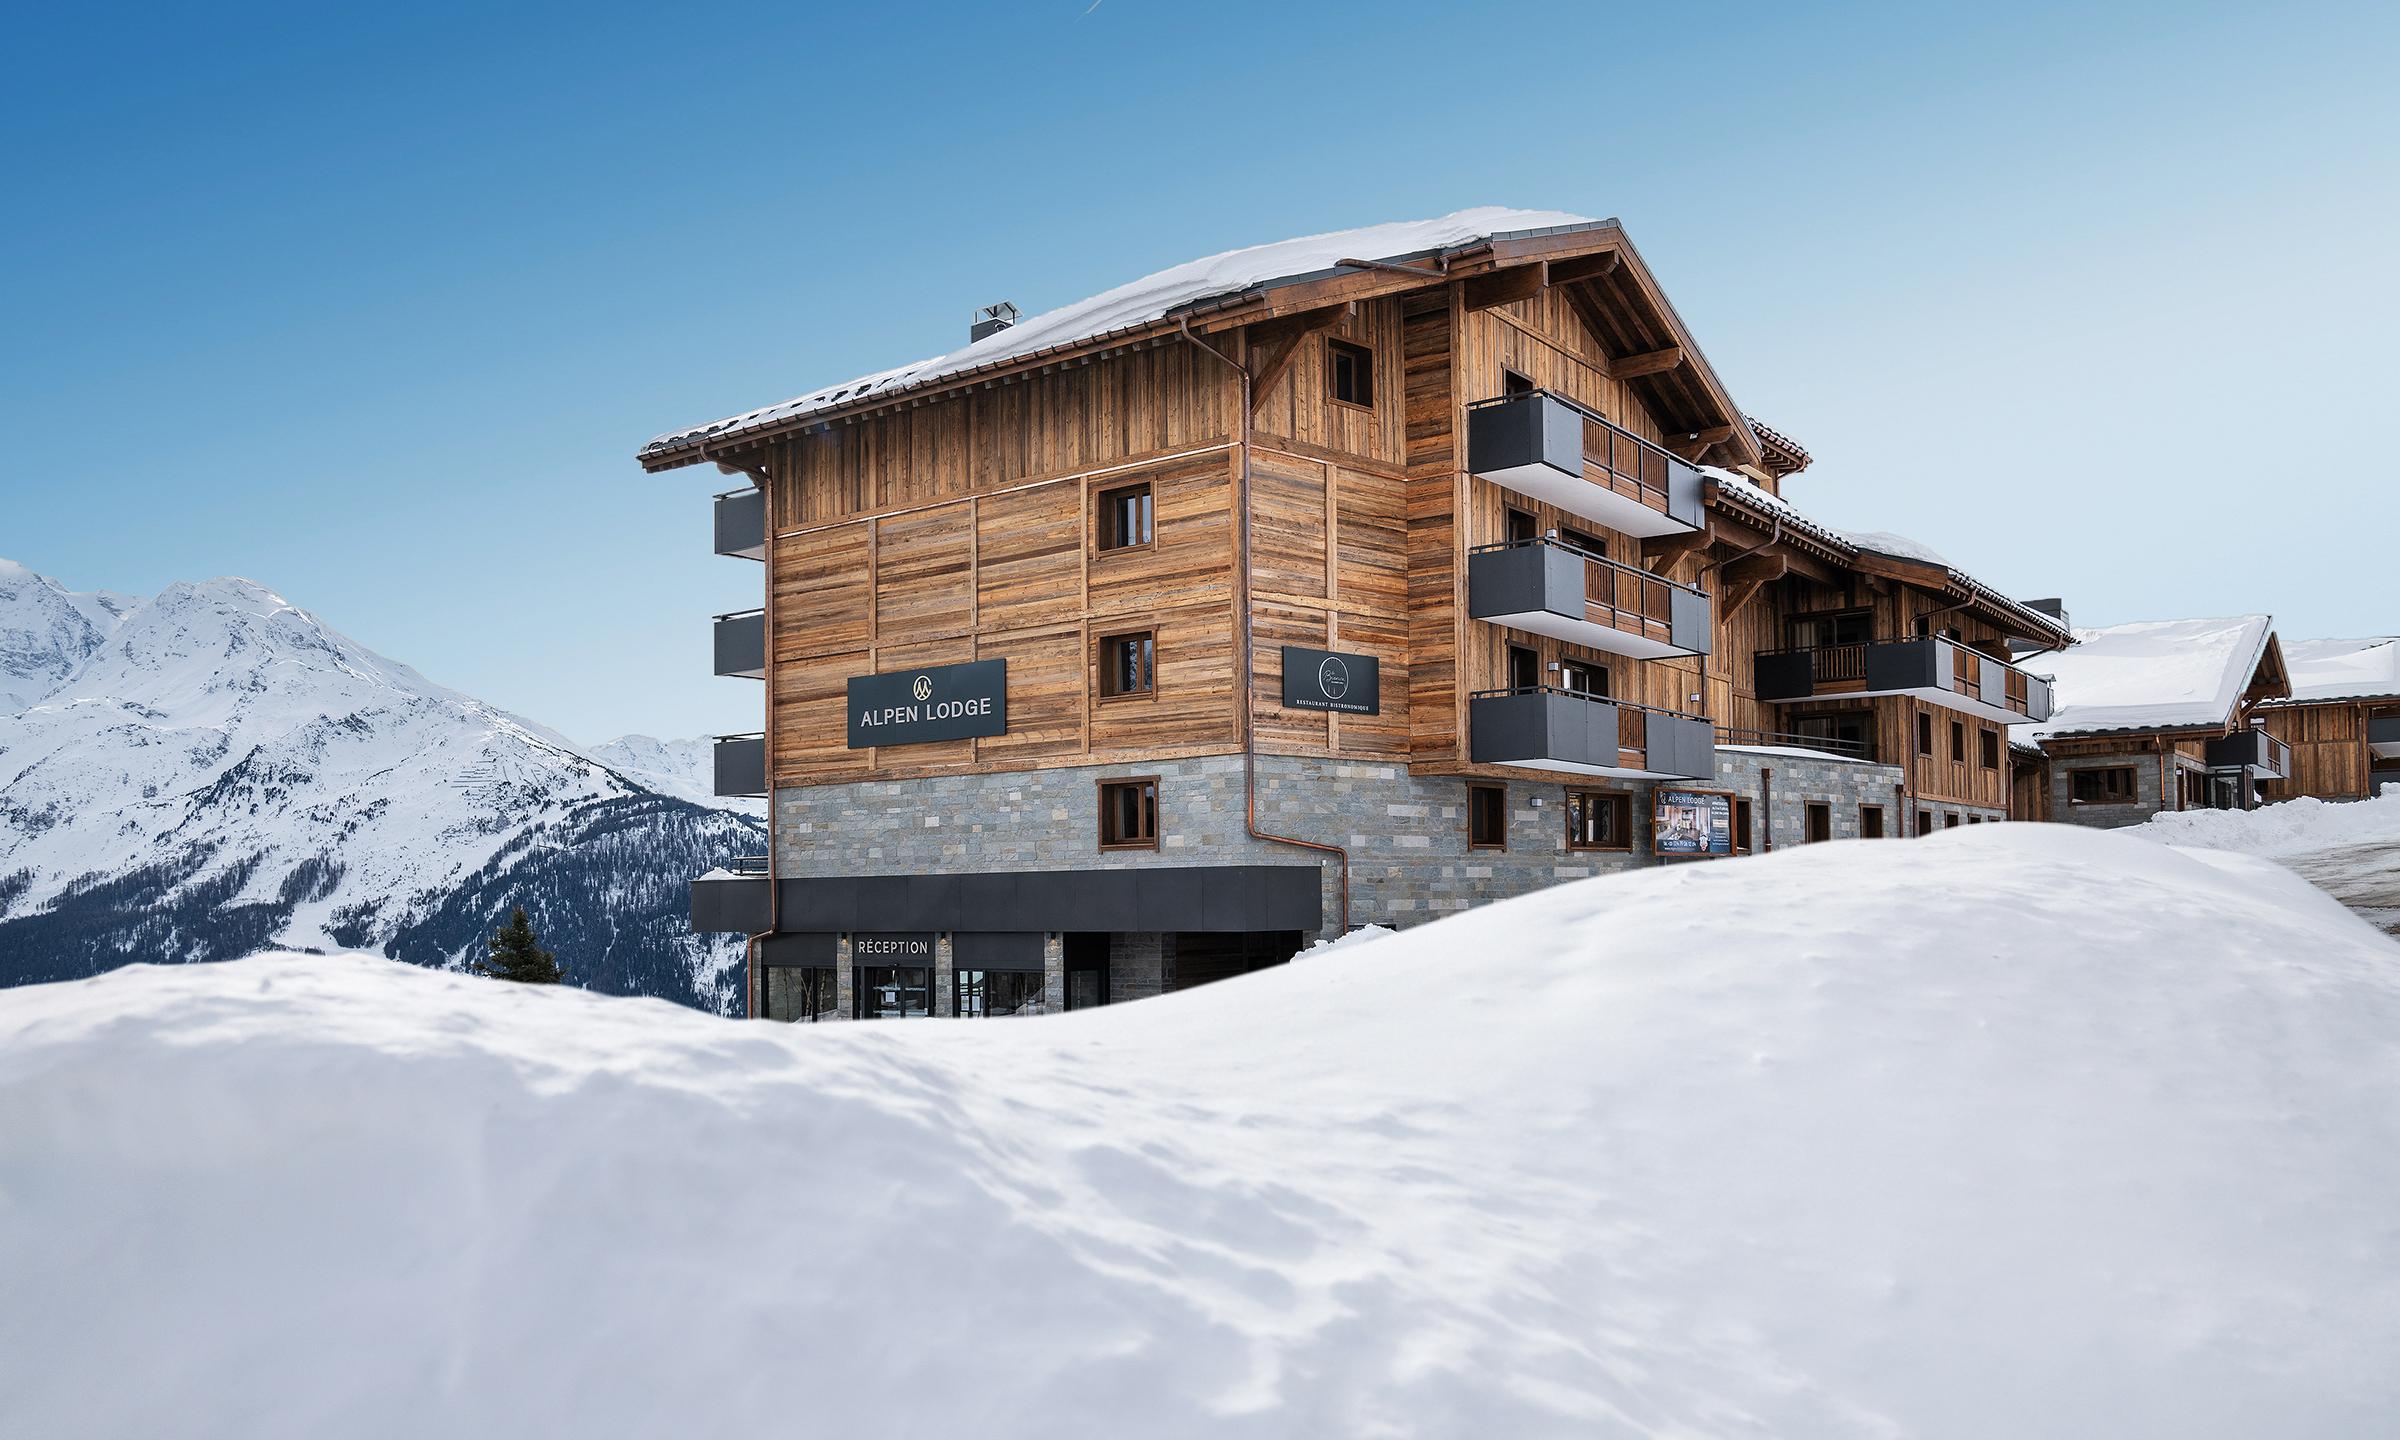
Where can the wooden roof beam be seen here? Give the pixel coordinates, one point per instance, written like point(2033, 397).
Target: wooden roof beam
point(1699, 442)
point(1580, 267)
point(1283, 339)
point(1502, 287)
point(1652, 362)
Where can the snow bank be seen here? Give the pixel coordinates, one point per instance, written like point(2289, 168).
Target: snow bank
point(2012, 1131)
point(2289, 827)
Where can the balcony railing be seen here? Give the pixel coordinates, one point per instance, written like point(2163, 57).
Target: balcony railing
point(2264, 756)
point(1554, 449)
point(1929, 667)
point(1542, 727)
point(1788, 740)
point(741, 765)
point(742, 523)
point(1554, 588)
point(741, 643)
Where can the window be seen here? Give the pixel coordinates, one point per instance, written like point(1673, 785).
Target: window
point(800, 992)
point(1487, 817)
point(1741, 824)
point(1125, 517)
point(1958, 742)
point(2113, 785)
point(1849, 732)
point(1583, 678)
point(1350, 373)
point(1820, 822)
point(893, 992)
point(985, 994)
point(1834, 627)
point(1924, 822)
point(1924, 734)
point(1599, 820)
point(1522, 527)
point(1129, 814)
point(1870, 822)
point(1585, 541)
point(1511, 383)
point(1524, 667)
point(1974, 819)
point(1950, 821)
point(1125, 665)
point(1991, 749)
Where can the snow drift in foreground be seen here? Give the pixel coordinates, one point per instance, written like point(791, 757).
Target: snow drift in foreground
point(2012, 1131)
point(2348, 848)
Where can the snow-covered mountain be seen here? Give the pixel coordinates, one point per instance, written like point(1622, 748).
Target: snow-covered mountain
point(686, 769)
point(216, 771)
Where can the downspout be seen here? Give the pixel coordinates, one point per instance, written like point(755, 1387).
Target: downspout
point(1249, 685)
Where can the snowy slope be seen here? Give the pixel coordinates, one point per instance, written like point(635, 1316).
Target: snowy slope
point(2349, 849)
point(2013, 1131)
point(685, 769)
point(223, 771)
point(46, 631)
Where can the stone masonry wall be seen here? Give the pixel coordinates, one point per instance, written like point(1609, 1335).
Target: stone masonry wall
point(2150, 799)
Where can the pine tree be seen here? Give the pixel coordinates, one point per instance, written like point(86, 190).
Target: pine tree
point(517, 954)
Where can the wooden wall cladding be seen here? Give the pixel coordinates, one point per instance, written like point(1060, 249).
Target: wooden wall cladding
point(925, 572)
point(1298, 407)
point(2329, 750)
point(1192, 555)
point(1193, 703)
point(1029, 557)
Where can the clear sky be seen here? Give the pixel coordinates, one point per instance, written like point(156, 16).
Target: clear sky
point(374, 304)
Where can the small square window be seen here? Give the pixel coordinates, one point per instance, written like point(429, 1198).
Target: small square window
point(1599, 820)
point(1950, 822)
point(1126, 665)
point(1487, 817)
point(1125, 517)
point(1129, 814)
point(1350, 373)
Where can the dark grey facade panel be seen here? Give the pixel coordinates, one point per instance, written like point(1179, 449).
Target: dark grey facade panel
point(1907, 664)
point(1219, 898)
point(732, 903)
point(741, 765)
point(1528, 430)
point(741, 643)
point(1790, 675)
point(1681, 746)
point(996, 950)
point(1689, 623)
point(808, 949)
point(742, 523)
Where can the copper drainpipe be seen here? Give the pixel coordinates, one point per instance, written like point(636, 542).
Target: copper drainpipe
point(1241, 507)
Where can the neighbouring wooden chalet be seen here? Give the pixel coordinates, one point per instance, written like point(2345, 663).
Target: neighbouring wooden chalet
point(2342, 720)
point(2158, 715)
point(1357, 578)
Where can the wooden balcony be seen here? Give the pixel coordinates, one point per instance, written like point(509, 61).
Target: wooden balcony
point(1928, 667)
point(2262, 755)
point(741, 765)
point(742, 523)
point(741, 643)
point(1553, 588)
point(1542, 727)
point(1552, 449)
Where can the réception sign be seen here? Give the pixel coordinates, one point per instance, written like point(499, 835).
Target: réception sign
point(1693, 822)
point(940, 702)
point(892, 948)
point(1330, 680)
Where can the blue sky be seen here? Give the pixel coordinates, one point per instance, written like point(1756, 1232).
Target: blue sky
point(374, 307)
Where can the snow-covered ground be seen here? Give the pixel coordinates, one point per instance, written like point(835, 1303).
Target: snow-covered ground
point(2349, 848)
point(2012, 1131)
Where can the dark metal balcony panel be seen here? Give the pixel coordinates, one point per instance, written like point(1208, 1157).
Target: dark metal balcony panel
point(1534, 445)
point(741, 642)
point(2383, 735)
point(1553, 730)
point(736, 903)
point(1214, 898)
point(741, 764)
point(2253, 750)
point(1785, 675)
point(2040, 700)
point(1898, 666)
point(742, 524)
point(1542, 588)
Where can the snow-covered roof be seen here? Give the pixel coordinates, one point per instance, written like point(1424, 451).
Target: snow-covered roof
point(2343, 669)
point(2154, 675)
point(1156, 297)
point(1879, 542)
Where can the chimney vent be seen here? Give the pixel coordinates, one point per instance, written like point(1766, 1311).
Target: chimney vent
point(991, 320)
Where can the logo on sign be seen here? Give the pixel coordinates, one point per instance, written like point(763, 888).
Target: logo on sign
point(940, 702)
point(1333, 677)
point(923, 689)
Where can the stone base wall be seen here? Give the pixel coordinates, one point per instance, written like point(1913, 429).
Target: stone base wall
point(2149, 798)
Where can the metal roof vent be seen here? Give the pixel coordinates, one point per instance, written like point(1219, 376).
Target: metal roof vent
point(991, 320)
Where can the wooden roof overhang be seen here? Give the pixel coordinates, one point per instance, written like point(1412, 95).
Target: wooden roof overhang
point(1605, 279)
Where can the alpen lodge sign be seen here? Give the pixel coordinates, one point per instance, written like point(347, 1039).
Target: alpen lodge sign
point(940, 702)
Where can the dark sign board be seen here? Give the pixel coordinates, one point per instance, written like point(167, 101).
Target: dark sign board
point(939, 702)
point(1329, 680)
point(912, 947)
point(1692, 822)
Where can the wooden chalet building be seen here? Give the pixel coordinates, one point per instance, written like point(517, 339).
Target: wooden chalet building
point(2342, 720)
point(1358, 578)
point(2158, 715)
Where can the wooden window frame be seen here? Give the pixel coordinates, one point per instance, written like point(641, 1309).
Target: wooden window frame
point(1810, 811)
point(1990, 747)
point(1479, 787)
point(1878, 832)
point(1924, 735)
point(1958, 742)
point(1793, 622)
point(1608, 678)
point(1366, 356)
point(1101, 658)
point(2133, 784)
point(1508, 665)
point(1104, 519)
point(1515, 382)
point(1618, 800)
point(1120, 782)
point(1743, 822)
